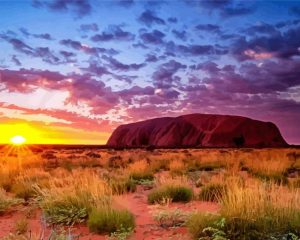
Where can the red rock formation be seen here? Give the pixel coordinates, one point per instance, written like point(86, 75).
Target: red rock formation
point(198, 130)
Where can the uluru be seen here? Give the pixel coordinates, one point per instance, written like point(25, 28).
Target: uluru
point(198, 130)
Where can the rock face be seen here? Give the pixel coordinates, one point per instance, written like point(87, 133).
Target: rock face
point(198, 130)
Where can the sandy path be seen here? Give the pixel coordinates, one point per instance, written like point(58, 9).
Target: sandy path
point(146, 227)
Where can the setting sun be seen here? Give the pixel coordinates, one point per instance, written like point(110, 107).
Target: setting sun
point(18, 140)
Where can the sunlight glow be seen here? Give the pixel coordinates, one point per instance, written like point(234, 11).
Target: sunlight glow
point(18, 140)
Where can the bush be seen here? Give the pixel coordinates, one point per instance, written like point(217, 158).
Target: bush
point(138, 176)
point(120, 186)
point(170, 218)
point(277, 178)
point(7, 202)
point(200, 221)
point(23, 190)
point(175, 193)
point(140, 171)
point(177, 167)
point(65, 211)
point(261, 211)
point(108, 220)
point(212, 192)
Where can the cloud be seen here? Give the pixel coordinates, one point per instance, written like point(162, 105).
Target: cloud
point(236, 11)
point(45, 36)
point(149, 18)
point(79, 8)
point(261, 28)
point(227, 8)
point(15, 60)
point(250, 78)
point(154, 37)
point(67, 54)
point(125, 3)
point(41, 52)
point(172, 20)
point(86, 48)
point(197, 50)
point(115, 33)
point(117, 65)
point(89, 27)
point(164, 77)
point(180, 34)
point(279, 44)
point(209, 28)
point(151, 58)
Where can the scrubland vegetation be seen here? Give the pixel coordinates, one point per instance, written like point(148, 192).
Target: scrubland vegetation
point(255, 192)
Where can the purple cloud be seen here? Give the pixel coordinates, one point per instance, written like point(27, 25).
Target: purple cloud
point(154, 37)
point(115, 33)
point(117, 65)
point(89, 27)
point(79, 7)
point(149, 18)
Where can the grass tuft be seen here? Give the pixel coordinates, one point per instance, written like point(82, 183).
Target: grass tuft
point(175, 193)
point(108, 220)
point(212, 192)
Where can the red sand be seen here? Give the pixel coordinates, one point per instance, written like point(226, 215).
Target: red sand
point(146, 227)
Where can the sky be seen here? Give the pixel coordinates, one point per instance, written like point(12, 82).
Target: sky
point(71, 71)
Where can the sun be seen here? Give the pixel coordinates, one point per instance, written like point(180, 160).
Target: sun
point(18, 140)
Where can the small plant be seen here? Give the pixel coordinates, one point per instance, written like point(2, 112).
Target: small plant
point(67, 213)
point(177, 167)
point(147, 184)
point(138, 176)
point(170, 218)
point(23, 190)
point(61, 234)
point(108, 220)
point(199, 221)
point(21, 226)
point(122, 185)
point(212, 192)
point(176, 193)
point(215, 232)
point(121, 234)
point(278, 178)
point(7, 202)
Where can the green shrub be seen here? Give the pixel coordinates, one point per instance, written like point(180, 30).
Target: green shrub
point(121, 234)
point(108, 220)
point(200, 221)
point(261, 211)
point(175, 193)
point(65, 211)
point(212, 192)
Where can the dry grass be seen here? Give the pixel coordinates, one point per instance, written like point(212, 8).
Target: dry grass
point(253, 211)
point(68, 184)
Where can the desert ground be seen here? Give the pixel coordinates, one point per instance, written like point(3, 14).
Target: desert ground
point(90, 193)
